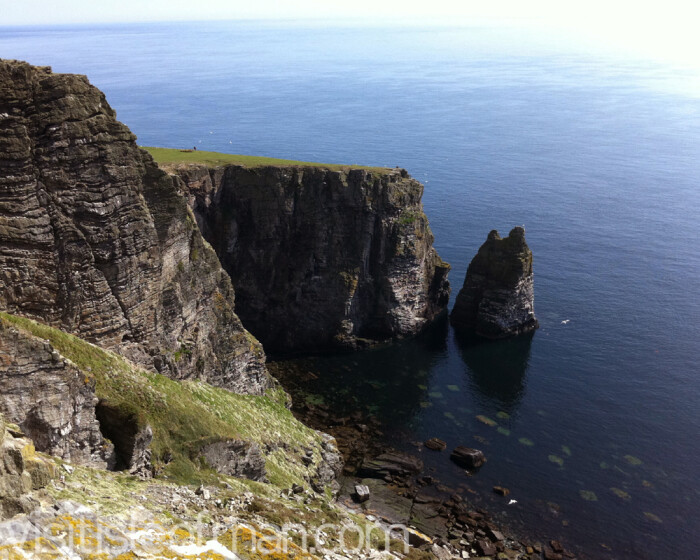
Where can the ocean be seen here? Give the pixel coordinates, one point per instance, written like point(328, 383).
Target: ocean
point(597, 414)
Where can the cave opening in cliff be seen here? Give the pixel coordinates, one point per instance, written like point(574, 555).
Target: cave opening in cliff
point(121, 428)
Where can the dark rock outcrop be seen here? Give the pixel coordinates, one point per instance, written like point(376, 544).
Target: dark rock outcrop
point(96, 240)
point(236, 458)
point(497, 299)
point(51, 400)
point(321, 258)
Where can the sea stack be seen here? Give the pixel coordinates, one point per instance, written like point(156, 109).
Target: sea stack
point(498, 298)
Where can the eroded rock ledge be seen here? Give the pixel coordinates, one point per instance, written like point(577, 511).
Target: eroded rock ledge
point(321, 258)
point(96, 240)
point(498, 298)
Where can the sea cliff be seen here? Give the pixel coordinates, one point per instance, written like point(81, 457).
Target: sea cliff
point(96, 240)
point(121, 345)
point(322, 257)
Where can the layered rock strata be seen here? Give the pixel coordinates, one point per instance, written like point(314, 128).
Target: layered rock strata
point(96, 240)
point(498, 298)
point(321, 258)
point(51, 400)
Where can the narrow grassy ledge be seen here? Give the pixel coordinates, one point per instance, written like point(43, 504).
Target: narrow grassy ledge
point(186, 415)
point(170, 156)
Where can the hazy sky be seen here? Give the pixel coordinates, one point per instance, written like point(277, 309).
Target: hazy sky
point(655, 27)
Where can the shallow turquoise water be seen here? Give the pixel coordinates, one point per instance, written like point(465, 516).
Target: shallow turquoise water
point(598, 158)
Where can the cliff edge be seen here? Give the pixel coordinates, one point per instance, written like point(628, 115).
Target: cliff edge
point(321, 257)
point(498, 298)
point(96, 240)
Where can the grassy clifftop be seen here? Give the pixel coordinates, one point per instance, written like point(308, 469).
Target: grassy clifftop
point(170, 156)
point(186, 415)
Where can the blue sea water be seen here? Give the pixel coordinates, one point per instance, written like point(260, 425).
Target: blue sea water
point(596, 154)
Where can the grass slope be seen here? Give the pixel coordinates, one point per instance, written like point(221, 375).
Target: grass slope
point(170, 156)
point(186, 415)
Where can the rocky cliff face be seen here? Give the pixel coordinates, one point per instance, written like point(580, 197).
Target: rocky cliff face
point(51, 400)
point(321, 258)
point(497, 299)
point(95, 239)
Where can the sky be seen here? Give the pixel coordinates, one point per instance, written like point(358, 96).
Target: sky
point(657, 28)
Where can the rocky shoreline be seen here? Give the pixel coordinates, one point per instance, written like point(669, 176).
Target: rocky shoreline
point(401, 492)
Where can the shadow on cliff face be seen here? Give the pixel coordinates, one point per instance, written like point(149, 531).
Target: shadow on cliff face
point(497, 368)
point(121, 428)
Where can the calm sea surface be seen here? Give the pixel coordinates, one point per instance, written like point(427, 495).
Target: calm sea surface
point(598, 432)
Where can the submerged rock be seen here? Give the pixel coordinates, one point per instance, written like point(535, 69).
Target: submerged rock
point(468, 458)
point(436, 444)
point(390, 465)
point(497, 299)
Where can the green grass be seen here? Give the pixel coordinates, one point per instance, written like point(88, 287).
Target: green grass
point(186, 415)
point(170, 156)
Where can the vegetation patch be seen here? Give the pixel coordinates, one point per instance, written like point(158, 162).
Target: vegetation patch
point(170, 156)
point(186, 415)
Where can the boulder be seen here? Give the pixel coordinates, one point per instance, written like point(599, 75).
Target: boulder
point(485, 547)
point(361, 493)
point(494, 535)
point(243, 459)
point(386, 503)
point(416, 538)
point(497, 299)
point(467, 457)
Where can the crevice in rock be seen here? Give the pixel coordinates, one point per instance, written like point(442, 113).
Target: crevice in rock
point(121, 428)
